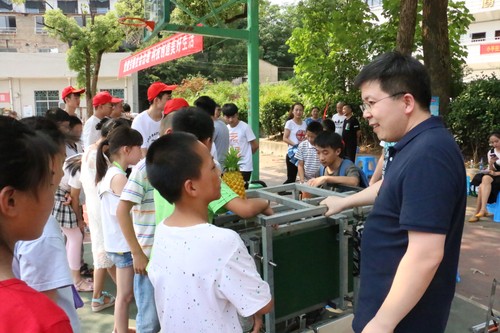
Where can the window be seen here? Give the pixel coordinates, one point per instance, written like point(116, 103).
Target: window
point(34, 6)
point(48, 50)
point(39, 21)
point(7, 49)
point(374, 3)
point(5, 5)
point(79, 20)
point(120, 93)
point(44, 100)
point(497, 34)
point(7, 25)
point(68, 7)
point(478, 37)
point(99, 6)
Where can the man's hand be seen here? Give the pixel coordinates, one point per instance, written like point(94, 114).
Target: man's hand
point(334, 204)
point(315, 182)
point(140, 263)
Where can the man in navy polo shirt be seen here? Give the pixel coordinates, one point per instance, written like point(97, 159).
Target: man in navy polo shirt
point(411, 240)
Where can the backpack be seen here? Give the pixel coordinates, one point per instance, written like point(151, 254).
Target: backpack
point(363, 180)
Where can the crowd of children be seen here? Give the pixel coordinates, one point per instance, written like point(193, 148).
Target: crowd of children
point(166, 201)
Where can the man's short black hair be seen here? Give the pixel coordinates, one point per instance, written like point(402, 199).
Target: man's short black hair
point(329, 139)
point(328, 125)
point(398, 73)
point(314, 127)
point(229, 109)
point(170, 161)
point(207, 104)
point(192, 120)
point(57, 115)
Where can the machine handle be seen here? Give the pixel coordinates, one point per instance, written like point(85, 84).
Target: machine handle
point(261, 258)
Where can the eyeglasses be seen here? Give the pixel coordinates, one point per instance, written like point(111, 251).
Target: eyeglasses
point(368, 106)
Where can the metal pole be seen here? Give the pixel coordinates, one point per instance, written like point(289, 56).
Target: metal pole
point(253, 76)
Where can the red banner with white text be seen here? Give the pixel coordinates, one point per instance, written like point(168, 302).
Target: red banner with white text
point(174, 47)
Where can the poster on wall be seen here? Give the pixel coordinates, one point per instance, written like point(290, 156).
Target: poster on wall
point(27, 111)
point(435, 105)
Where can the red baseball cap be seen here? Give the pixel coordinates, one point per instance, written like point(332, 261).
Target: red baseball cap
point(174, 104)
point(156, 88)
point(102, 98)
point(70, 90)
point(116, 100)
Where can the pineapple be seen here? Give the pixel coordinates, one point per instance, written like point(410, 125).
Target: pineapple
point(232, 175)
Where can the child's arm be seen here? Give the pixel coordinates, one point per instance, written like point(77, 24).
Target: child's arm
point(301, 171)
point(257, 317)
point(247, 208)
point(343, 180)
point(75, 205)
point(140, 260)
point(255, 146)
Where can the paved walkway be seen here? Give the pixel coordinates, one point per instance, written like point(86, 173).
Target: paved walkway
point(478, 266)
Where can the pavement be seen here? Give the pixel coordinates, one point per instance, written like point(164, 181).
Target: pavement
point(478, 264)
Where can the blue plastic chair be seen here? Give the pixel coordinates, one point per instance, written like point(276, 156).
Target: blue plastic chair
point(494, 208)
point(367, 163)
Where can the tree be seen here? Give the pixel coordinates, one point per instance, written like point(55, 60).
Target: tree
point(436, 46)
point(333, 43)
point(406, 29)
point(87, 44)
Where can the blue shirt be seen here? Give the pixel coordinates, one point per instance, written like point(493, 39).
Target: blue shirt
point(423, 190)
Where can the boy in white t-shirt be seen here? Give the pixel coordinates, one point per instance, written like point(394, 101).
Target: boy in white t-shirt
point(241, 138)
point(202, 275)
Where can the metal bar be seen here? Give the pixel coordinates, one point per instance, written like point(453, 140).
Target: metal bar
point(214, 14)
point(343, 262)
point(253, 76)
point(205, 31)
point(219, 10)
point(267, 247)
point(185, 10)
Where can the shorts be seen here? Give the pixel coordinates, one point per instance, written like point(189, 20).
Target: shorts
point(121, 259)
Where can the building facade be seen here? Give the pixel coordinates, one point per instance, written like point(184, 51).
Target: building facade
point(33, 67)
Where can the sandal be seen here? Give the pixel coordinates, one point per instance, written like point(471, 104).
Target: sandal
point(84, 285)
point(103, 305)
point(86, 271)
point(473, 219)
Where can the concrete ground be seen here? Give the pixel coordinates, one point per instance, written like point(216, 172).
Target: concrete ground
point(478, 263)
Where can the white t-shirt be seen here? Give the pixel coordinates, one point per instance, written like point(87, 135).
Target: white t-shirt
point(339, 123)
point(202, 276)
point(89, 134)
point(43, 264)
point(149, 129)
point(239, 138)
point(114, 241)
point(297, 132)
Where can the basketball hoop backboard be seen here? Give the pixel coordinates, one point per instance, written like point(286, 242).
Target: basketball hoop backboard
point(157, 11)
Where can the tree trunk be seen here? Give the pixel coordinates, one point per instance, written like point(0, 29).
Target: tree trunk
point(436, 47)
point(89, 92)
point(406, 29)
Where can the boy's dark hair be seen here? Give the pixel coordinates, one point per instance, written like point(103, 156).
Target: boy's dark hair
point(328, 125)
point(126, 107)
point(160, 95)
point(73, 121)
point(192, 120)
point(121, 136)
point(49, 128)
point(329, 139)
point(398, 74)
point(314, 127)
point(170, 161)
point(106, 125)
point(206, 104)
point(58, 115)
point(25, 155)
point(229, 109)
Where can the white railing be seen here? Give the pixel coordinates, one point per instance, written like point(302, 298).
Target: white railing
point(8, 30)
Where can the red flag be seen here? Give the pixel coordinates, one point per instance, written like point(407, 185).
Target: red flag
point(326, 110)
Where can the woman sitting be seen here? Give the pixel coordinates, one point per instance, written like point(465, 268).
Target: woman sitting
point(489, 181)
